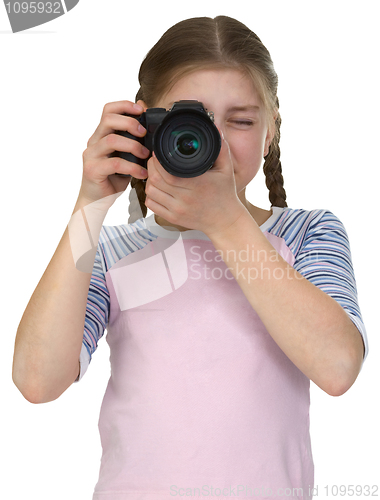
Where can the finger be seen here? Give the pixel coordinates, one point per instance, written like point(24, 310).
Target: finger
point(156, 182)
point(156, 171)
point(155, 198)
point(224, 160)
point(101, 169)
point(142, 104)
point(165, 176)
point(113, 119)
point(115, 142)
point(112, 122)
point(120, 107)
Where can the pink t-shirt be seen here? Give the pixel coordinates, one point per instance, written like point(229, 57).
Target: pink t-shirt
point(201, 401)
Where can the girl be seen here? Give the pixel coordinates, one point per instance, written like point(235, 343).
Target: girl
point(218, 313)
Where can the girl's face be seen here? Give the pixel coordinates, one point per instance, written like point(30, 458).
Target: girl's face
point(239, 115)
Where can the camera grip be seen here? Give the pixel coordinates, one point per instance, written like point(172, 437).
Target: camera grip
point(128, 156)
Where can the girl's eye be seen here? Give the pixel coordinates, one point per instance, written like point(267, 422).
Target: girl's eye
point(246, 123)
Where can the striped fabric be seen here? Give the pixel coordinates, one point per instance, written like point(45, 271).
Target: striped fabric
point(317, 239)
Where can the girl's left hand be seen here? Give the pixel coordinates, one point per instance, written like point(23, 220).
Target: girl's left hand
point(208, 203)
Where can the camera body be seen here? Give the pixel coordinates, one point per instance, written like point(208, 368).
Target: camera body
point(184, 139)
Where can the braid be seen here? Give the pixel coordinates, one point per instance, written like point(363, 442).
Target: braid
point(137, 208)
point(273, 170)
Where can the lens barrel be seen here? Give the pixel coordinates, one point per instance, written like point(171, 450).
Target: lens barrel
point(187, 142)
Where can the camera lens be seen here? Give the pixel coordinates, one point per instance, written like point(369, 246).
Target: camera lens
point(187, 144)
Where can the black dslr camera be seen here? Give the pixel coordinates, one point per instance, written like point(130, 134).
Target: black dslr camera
point(185, 140)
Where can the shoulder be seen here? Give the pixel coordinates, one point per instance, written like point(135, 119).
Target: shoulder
point(116, 242)
point(296, 226)
point(295, 220)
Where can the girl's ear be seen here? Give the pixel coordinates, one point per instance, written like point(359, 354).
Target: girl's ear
point(142, 103)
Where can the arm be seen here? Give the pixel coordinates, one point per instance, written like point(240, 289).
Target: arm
point(311, 328)
point(49, 336)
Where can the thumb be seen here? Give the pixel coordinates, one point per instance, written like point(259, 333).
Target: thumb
point(224, 160)
point(142, 104)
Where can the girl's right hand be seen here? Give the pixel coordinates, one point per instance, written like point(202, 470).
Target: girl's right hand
point(99, 180)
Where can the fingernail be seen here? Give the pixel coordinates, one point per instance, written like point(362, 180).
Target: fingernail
point(141, 129)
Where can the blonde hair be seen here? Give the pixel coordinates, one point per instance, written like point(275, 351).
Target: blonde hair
point(222, 42)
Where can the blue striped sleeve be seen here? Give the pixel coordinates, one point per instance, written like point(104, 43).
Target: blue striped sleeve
point(324, 258)
point(97, 313)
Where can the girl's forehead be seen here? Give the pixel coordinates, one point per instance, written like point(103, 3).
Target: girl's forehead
point(218, 85)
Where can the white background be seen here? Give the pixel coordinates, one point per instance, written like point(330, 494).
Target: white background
point(55, 80)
